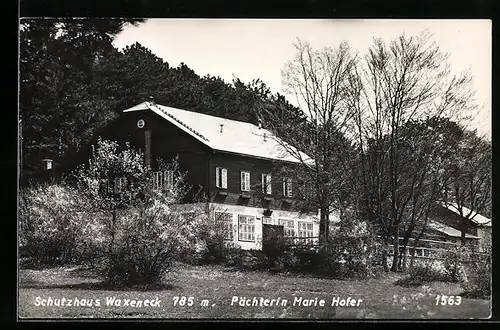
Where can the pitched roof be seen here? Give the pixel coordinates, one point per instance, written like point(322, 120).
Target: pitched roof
point(236, 136)
point(477, 218)
point(447, 230)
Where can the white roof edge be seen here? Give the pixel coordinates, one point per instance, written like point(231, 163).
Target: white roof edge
point(150, 106)
point(138, 107)
point(486, 222)
point(447, 230)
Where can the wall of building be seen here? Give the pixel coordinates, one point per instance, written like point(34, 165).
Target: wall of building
point(257, 213)
point(484, 234)
point(233, 194)
point(167, 143)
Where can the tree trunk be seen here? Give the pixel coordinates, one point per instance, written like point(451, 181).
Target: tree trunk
point(113, 229)
point(462, 233)
point(402, 258)
point(412, 257)
point(384, 254)
point(324, 227)
point(395, 257)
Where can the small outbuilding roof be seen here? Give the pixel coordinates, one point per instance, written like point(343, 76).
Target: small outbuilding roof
point(448, 231)
point(477, 218)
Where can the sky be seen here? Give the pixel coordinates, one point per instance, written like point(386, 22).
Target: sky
point(259, 48)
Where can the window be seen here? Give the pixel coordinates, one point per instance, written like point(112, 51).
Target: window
point(221, 177)
point(287, 187)
point(246, 228)
point(226, 219)
point(245, 181)
point(307, 190)
point(267, 220)
point(266, 184)
point(117, 187)
point(163, 180)
point(120, 184)
point(305, 229)
point(289, 229)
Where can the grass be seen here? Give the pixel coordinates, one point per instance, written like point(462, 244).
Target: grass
point(381, 298)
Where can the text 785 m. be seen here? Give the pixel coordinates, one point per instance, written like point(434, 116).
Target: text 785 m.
point(183, 301)
point(448, 300)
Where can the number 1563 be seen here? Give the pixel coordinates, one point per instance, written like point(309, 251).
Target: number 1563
point(448, 300)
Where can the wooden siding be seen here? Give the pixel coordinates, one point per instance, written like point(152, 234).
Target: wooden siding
point(233, 194)
point(167, 143)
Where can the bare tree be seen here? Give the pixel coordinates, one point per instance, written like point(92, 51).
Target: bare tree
point(424, 153)
point(400, 81)
point(468, 188)
point(319, 80)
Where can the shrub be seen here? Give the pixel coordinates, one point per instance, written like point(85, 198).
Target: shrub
point(328, 261)
point(479, 283)
point(212, 235)
point(51, 223)
point(146, 243)
point(452, 262)
point(142, 230)
point(233, 256)
point(422, 273)
point(345, 257)
point(254, 260)
point(91, 244)
point(290, 259)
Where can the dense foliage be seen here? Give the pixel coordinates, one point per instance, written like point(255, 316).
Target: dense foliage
point(51, 224)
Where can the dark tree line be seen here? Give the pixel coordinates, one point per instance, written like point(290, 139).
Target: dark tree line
point(74, 82)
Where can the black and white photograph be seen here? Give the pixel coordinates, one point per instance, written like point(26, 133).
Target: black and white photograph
point(249, 169)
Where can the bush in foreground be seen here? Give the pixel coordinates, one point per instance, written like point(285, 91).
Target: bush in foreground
point(425, 272)
point(479, 279)
point(51, 224)
point(454, 266)
point(147, 240)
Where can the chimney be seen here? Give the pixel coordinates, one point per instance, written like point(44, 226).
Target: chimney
point(151, 99)
point(265, 136)
point(260, 124)
point(221, 127)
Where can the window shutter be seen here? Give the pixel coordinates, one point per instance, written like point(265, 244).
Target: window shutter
point(217, 177)
point(224, 178)
point(284, 187)
point(161, 180)
point(289, 188)
point(170, 179)
point(268, 184)
point(247, 181)
point(120, 184)
point(263, 183)
point(124, 183)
